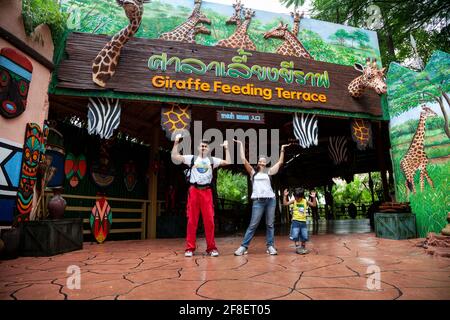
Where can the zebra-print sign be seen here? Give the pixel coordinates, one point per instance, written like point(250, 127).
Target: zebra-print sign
point(306, 130)
point(103, 116)
point(338, 150)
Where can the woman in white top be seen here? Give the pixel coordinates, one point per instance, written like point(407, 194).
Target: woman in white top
point(263, 199)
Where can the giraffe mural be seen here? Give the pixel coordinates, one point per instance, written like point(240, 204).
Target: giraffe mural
point(416, 158)
point(190, 36)
point(236, 18)
point(240, 39)
point(105, 63)
point(184, 31)
point(286, 49)
point(294, 47)
point(371, 77)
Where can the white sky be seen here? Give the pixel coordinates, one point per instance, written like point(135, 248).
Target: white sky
point(267, 5)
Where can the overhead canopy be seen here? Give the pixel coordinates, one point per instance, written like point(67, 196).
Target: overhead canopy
point(158, 70)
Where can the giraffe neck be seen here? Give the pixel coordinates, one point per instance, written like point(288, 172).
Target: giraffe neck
point(187, 26)
point(238, 19)
point(357, 86)
point(105, 63)
point(419, 136)
point(196, 8)
point(296, 44)
point(242, 30)
point(296, 28)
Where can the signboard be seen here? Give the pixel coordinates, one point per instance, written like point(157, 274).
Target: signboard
point(243, 117)
point(194, 71)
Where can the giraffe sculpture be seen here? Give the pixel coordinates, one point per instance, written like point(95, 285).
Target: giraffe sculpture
point(293, 45)
point(371, 77)
point(105, 63)
point(416, 158)
point(184, 31)
point(286, 49)
point(236, 17)
point(190, 36)
point(240, 39)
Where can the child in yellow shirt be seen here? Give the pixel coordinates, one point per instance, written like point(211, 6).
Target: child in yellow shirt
point(299, 228)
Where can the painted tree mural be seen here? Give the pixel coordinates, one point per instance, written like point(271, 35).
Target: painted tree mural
point(101, 17)
point(414, 88)
point(407, 92)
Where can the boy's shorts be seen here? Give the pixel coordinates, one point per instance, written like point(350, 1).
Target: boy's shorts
point(299, 231)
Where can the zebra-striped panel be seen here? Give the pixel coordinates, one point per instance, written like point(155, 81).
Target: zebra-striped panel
point(306, 130)
point(103, 116)
point(338, 150)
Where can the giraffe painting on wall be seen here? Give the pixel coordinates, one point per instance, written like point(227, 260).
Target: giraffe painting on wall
point(416, 158)
point(105, 63)
point(239, 39)
point(291, 46)
point(286, 48)
point(187, 30)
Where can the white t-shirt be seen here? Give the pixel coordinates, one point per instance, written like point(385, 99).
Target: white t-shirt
point(261, 186)
point(201, 172)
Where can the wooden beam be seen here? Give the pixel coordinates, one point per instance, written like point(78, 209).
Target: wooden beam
point(153, 185)
point(381, 160)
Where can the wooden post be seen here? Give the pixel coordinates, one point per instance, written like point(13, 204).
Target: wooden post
point(371, 187)
point(153, 185)
point(381, 161)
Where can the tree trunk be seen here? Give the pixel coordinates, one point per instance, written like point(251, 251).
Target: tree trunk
point(441, 104)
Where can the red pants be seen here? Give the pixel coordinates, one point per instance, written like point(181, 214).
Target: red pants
point(200, 200)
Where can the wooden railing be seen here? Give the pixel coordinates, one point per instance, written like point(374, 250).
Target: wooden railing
point(85, 210)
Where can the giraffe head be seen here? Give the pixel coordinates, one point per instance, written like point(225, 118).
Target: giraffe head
point(278, 32)
point(249, 13)
point(202, 18)
point(372, 77)
point(132, 7)
point(236, 17)
point(427, 112)
point(201, 29)
point(297, 16)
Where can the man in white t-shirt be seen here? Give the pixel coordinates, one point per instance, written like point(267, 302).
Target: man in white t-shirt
point(200, 196)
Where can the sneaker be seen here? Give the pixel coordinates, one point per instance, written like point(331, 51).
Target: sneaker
point(301, 250)
point(214, 253)
point(240, 251)
point(188, 253)
point(271, 250)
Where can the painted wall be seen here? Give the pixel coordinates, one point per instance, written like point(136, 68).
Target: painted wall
point(12, 131)
point(328, 42)
point(407, 92)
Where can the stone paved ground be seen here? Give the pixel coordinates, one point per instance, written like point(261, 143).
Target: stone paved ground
point(336, 268)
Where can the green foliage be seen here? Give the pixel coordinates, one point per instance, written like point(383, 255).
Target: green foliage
point(430, 205)
point(426, 20)
point(407, 129)
point(358, 190)
point(232, 186)
point(408, 89)
point(292, 3)
point(36, 12)
point(105, 17)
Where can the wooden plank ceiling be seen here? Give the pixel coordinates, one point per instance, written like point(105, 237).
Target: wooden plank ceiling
point(311, 167)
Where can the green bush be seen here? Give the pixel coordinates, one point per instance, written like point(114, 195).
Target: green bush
point(232, 186)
